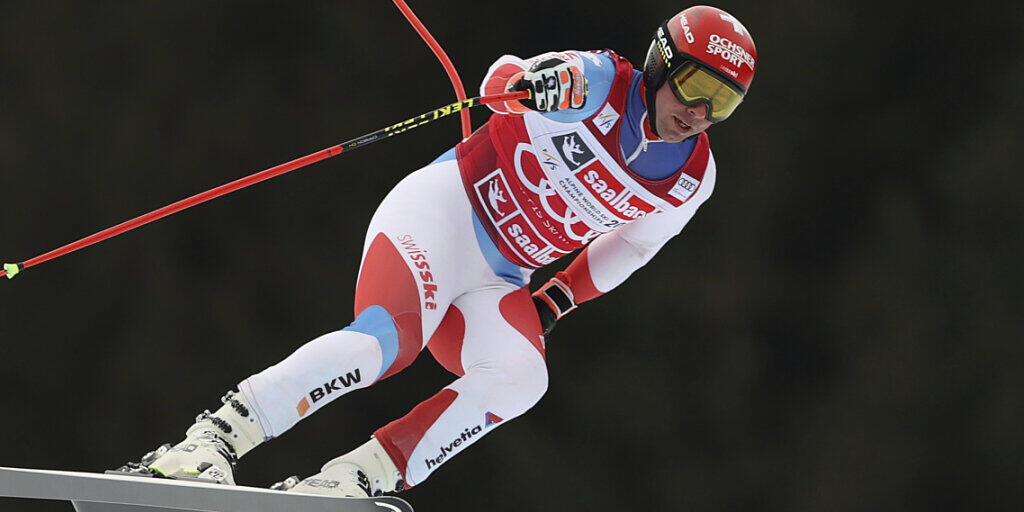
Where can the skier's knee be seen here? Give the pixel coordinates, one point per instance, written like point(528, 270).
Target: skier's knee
point(377, 322)
point(524, 378)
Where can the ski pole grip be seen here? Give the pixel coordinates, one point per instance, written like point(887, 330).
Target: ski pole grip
point(514, 95)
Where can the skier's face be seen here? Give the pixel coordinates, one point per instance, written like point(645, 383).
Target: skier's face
point(676, 121)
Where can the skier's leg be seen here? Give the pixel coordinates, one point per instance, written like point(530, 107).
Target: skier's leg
point(411, 270)
point(501, 360)
point(418, 256)
point(492, 339)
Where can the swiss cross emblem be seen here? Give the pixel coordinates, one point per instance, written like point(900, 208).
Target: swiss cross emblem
point(736, 25)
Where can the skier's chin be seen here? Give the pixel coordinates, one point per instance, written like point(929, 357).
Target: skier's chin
point(668, 131)
point(673, 138)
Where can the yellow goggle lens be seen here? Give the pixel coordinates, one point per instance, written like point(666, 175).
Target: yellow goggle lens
point(692, 85)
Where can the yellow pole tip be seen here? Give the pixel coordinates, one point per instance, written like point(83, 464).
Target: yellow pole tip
point(12, 270)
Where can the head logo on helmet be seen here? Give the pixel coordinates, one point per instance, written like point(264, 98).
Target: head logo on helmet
point(663, 46)
point(685, 24)
point(708, 37)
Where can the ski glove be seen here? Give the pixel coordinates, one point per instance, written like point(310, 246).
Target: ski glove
point(555, 84)
point(553, 301)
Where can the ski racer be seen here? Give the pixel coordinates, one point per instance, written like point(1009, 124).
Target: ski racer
point(603, 158)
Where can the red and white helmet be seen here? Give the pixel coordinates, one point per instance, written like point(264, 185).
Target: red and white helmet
point(697, 48)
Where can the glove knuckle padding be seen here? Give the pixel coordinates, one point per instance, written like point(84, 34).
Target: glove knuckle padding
point(553, 82)
point(553, 89)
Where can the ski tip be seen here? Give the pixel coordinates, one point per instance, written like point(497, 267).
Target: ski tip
point(12, 269)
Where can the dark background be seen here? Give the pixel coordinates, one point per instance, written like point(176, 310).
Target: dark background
point(838, 329)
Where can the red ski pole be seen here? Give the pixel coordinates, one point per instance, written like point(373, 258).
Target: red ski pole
point(12, 269)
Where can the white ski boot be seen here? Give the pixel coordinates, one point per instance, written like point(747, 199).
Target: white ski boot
point(212, 446)
point(365, 471)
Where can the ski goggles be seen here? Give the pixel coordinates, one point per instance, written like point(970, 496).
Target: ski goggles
point(692, 84)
